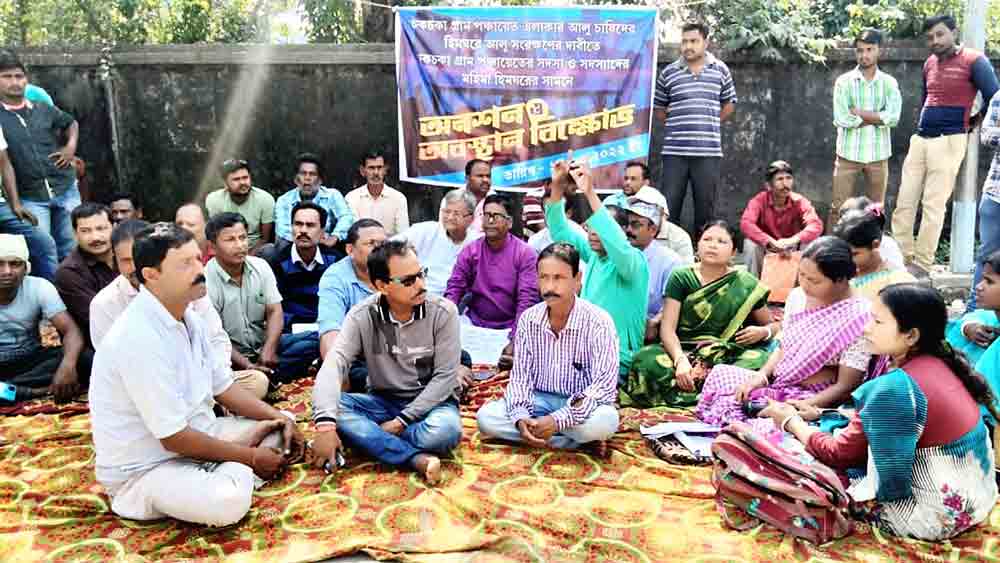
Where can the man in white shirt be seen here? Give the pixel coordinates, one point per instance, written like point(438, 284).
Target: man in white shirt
point(161, 451)
point(375, 200)
point(110, 303)
point(438, 242)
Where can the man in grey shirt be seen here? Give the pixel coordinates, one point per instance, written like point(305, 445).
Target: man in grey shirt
point(410, 341)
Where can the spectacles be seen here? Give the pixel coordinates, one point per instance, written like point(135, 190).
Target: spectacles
point(456, 214)
point(408, 281)
point(490, 217)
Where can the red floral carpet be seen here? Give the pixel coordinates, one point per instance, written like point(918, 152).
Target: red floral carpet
point(497, 503)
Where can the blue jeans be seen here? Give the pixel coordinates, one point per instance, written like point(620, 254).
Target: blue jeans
point(53, 218)
point(361, 414)
point(602, 424)
point(41, 247)
point(296, 352)
point(989, 241)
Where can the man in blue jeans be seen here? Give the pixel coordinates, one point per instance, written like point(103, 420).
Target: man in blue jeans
point(16, 220)
point(43, 166)
point(989, 205)
point(410, 341)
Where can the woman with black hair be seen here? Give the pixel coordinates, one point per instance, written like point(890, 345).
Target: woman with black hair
point(862, 229)
point(917, 432)
point(822, 356)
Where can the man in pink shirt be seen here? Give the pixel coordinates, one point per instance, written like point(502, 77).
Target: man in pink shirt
point(777, 220)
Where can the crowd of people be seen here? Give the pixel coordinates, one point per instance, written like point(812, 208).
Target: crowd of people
point(180, 329)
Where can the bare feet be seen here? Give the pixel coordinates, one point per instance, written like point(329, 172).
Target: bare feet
point(598, 449)
point(429, 467)
point(255, 435)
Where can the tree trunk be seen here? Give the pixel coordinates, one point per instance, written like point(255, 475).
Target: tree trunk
point(378, 22)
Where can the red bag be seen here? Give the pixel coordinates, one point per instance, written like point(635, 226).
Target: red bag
point(790, 491)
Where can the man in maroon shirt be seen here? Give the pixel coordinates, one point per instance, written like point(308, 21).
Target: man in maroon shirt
point(777, 220)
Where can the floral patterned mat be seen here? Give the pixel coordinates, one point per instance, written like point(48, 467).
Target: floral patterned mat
point(498, 502)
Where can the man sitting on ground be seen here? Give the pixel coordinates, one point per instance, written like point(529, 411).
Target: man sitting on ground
point(27, 370)
point(245, 294)
point(617, 274)
point(110, 303)
point(376, 200)
point(776, 219)
point(240, 196)
point(124, 206)
point(542, 237)
point(671, 235)
point(410, 341)
point(495, 278)
point(191, 216)
point(309, 187)
point(89, 268)
point(438, 242)
point(298, 267)
point(564, 384)
point(161, 451)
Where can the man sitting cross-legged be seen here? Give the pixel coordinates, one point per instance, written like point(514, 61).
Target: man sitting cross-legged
point(564, 383)
point(409, 340)
point(110, 303)
point(28, 370)
point(161, 451)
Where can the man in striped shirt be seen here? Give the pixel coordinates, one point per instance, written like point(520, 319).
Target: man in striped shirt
point(866, 106)
point(564, 383)
point(694, 95)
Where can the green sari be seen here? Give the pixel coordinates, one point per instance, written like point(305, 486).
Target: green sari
point(710, 317)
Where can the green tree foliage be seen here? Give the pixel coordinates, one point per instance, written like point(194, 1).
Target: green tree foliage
point(773, 29)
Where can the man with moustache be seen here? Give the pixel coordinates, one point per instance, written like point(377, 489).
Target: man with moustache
point(410, 341)
point(438, 242)
point(564, 384)
point(670, 235)
point(478, 179)
point(376, 200)
point(240, 196)
point(124, 206)
point(866, 106)
point(109, 304)
point(191, 216)
point(90, 267)
point(309, 187)
point(27, 369)
point(161, 451)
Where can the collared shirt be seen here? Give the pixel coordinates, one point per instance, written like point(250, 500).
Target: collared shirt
point(153, 377)
point(694, 102)
point(476, 228)
point(340, 289)
point(580, 363)
point(32, 133)
point(389, 208)
point(990, 136)
point(258, 209)
point(36, 299)
point(661, 261)
point(495, 285)
point(298, 282)
point(78, 279)
point(950, 87)
point(415, 361)
point(437, 252)
point(617, 281)
point(316, 261)
point(339, 216)
point(110, 303)
point(763, 222)
point(856, 140)
point(243, 306)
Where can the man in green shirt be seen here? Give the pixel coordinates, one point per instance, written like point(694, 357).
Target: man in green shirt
point(240, 196)
point(866, 106)
point(617, 274)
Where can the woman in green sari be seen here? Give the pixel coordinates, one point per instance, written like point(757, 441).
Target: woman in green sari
point(712, 314)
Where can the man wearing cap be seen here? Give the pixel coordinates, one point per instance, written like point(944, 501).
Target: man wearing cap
point(28, 369)
point(671, 235)
point(240, 196)
point(643, 218)
point(777, 220)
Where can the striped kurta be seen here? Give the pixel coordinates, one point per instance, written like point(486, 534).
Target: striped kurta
point(857, 141)
point(580, 363)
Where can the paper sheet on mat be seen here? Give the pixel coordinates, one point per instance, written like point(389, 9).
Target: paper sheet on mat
point(483, 344)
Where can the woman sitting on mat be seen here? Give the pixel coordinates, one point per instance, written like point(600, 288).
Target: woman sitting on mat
point(863, 231)
point(712, 314)
point(889, 248)
point(917, 430)
point(976, 331)
point(822, 356)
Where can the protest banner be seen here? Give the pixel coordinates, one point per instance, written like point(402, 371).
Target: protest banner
point(520, 87)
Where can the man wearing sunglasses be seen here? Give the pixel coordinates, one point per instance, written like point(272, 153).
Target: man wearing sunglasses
point(494, 277)
point(410, 341)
